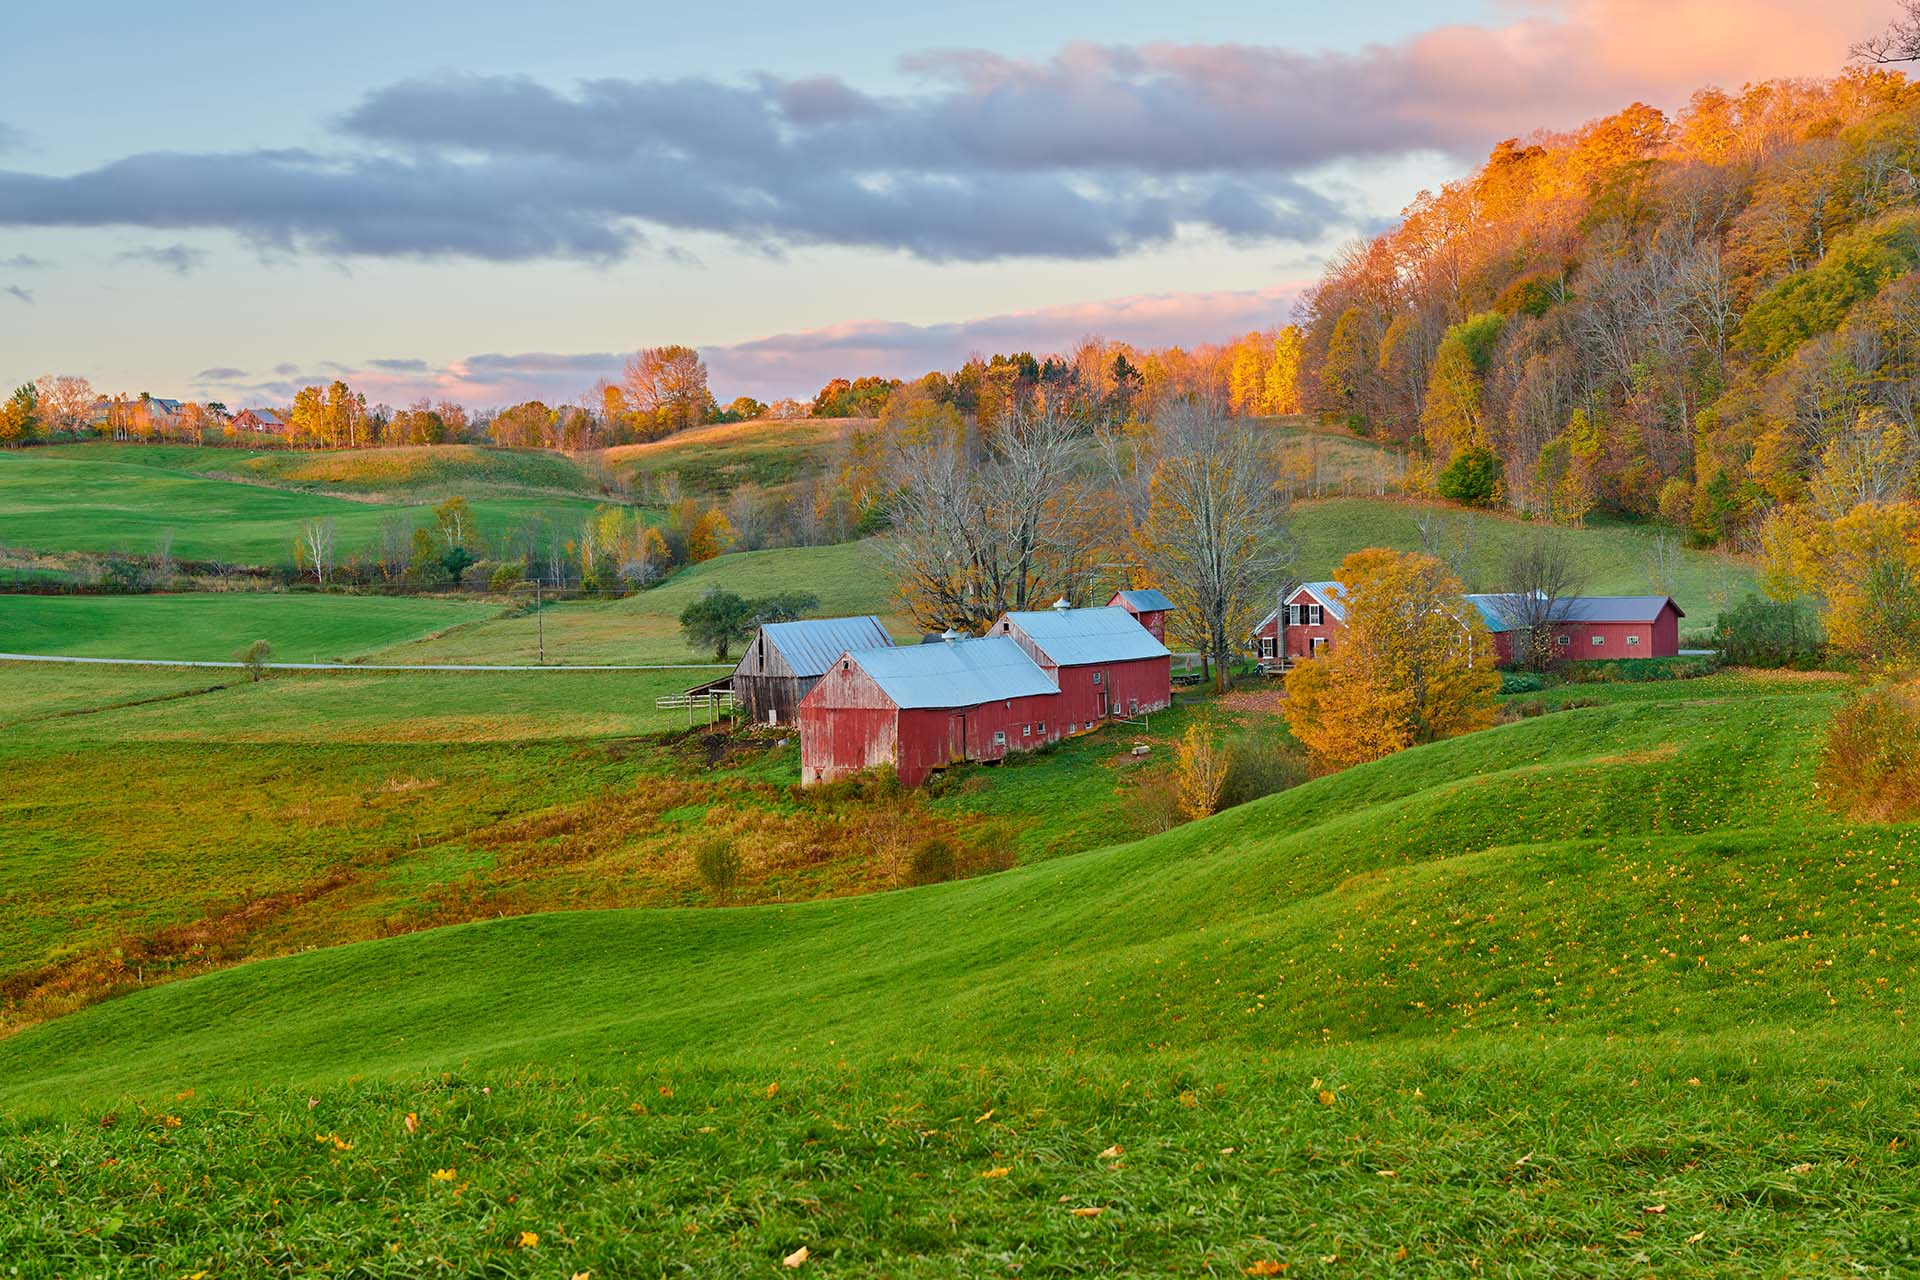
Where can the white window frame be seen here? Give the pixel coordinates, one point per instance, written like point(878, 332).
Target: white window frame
point(1315, 645)
point(999, 737)
point(1632, 641)
point(1268, 647)
point(1099, 676)
point(1316, 616)
point(1598, 641)
point(1563, 640)
point(1026, 731)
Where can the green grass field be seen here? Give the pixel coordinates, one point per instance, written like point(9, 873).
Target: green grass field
point(391, 474)
point(1599, 992)
point(210, 626)
point(715, 460)
point(848, 578)
point(126, 499)
point(1616, 559)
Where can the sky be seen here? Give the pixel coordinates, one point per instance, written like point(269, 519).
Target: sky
point(491, 202)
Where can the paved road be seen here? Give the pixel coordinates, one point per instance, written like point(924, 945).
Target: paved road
point(352, 666)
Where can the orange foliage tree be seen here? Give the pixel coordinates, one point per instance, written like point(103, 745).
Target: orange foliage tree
point(1413, 663)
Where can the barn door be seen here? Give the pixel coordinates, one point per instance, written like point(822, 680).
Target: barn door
point(957, 737)
point(1103, 704)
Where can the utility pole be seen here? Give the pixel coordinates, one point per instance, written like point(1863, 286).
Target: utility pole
point(539, 622)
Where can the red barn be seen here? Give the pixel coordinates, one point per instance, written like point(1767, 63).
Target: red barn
point(1149, 607)
point(1104, 661)
point(1036, 678)
point(1589, 628)
point(1307, 621)
point(922, 707)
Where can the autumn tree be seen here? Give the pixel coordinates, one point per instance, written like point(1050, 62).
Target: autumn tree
point(67, 403)
point(1413, 664)
point(719, 619)
point(1212, 534)
point(666, 388)
point(20, 416)
point(1542, 576)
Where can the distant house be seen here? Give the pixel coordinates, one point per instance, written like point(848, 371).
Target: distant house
point(1148, 605)
point(1586, 628)
point(1305, 623)
point(260, 422)
point(1105, 662)
point(922, 707)
point(786, 659)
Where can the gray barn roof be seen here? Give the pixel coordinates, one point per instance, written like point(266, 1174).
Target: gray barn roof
point(812, 645)
point(1145, 600)
point(1075, 637)
point(964, 673)
point(1506, 611)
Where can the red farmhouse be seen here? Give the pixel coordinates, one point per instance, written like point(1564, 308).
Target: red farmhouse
point(1306, 622)
point(1148, 605)
point(1036, 678)
point(1588, 628)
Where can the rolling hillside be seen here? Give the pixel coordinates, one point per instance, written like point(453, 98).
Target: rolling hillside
point(1598, 990)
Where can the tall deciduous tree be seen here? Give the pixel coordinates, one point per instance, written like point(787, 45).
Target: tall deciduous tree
point(667, 387)
point(1413, 663)
point(1213, 535)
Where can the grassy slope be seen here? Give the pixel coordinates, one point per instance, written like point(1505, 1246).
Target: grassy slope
point(126, 500)
point(1592, 869)
point(716, 459)
point(1550, 978)
point(203, 627)
point(1613, 556)
point(847, 578)
point(390, 474)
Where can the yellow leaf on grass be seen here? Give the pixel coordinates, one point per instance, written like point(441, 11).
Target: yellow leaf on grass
point(1266, 1267)
point(773, 1088)
point(795, 1258)
point(1696, 1237)
point(413, 1123)
point(1089, 1211)
point(529, 1239)
point(1112, 1151)
point(442, 1175)
point(1327, 1098)
point(998, 1171)
point(984, 1118)
point(1654, 1208)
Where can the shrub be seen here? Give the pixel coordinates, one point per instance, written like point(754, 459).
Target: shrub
point(1770, 633)
point(1526, 710)
point(255, 657)
point(1201, 762)
point(1471, 477)
point(1256, 769)
point(1156, 803)
point(1869, 768)
point(719, 866)
point(1521, 682)
point(478, 575)
point(508, 576)
point(932, 862)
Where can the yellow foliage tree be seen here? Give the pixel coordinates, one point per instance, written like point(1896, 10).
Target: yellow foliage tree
point(1201, 761)
point(710, 535)
point(1413, 663)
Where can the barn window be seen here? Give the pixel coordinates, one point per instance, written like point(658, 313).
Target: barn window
point(1026, 731)
point(1315, 615)
point(1563, 641)
point(1633, 640)
point(1043, 728)
point(999, 738)
point(1097, 676)
point(846, 666)
point(1598, 641)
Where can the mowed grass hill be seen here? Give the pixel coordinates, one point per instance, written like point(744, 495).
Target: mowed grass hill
point(1599, 992)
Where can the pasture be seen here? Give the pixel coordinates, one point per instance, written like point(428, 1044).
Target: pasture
point(211, 626)
point(714, 460)
point(133, 501)
point(1603, 990)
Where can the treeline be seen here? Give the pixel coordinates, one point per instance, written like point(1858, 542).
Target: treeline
point(1706, 319)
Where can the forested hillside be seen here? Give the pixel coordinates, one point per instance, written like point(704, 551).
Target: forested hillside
point(1706, 318)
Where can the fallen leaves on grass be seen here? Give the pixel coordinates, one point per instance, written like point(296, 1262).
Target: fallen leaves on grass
point(1112, 1151)
point(795, 1258)
point(1653, 1208)
point(529, 1239)
point(442, 1175)
point(1265, 1267)
point(998, 1171)
point(1089, 1211)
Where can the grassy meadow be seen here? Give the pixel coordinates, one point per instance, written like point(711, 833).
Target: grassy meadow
point(210, 626)
point(714, 460)
point(128, 499)
point(1602, 991)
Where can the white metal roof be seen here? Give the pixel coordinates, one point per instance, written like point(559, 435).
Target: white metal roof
point(1145, 599)
point(812, 645)
point(1506, 612)
point(1076, 637)
point(956, 673)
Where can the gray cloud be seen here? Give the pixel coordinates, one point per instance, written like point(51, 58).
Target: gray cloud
point(286, 368)
point(178, 258)
point(16, 291)
point(23, 262)
point(1095, 152)
point(220, 373)
point(11, 139)
point(401, 366)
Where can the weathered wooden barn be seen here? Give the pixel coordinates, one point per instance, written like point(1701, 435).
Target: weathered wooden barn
point(921, 707)
point(1148, 605)
point(1589, 628)
point(1105, 662)
point(786, 659)
point(1304, 624)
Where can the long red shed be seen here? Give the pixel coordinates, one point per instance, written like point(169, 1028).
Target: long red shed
point(1590, 628)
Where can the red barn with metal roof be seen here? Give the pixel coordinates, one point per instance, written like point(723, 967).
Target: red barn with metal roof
point(1036, 678)
point(1591, 628)
point(1305, 623)
point(1148, 605)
